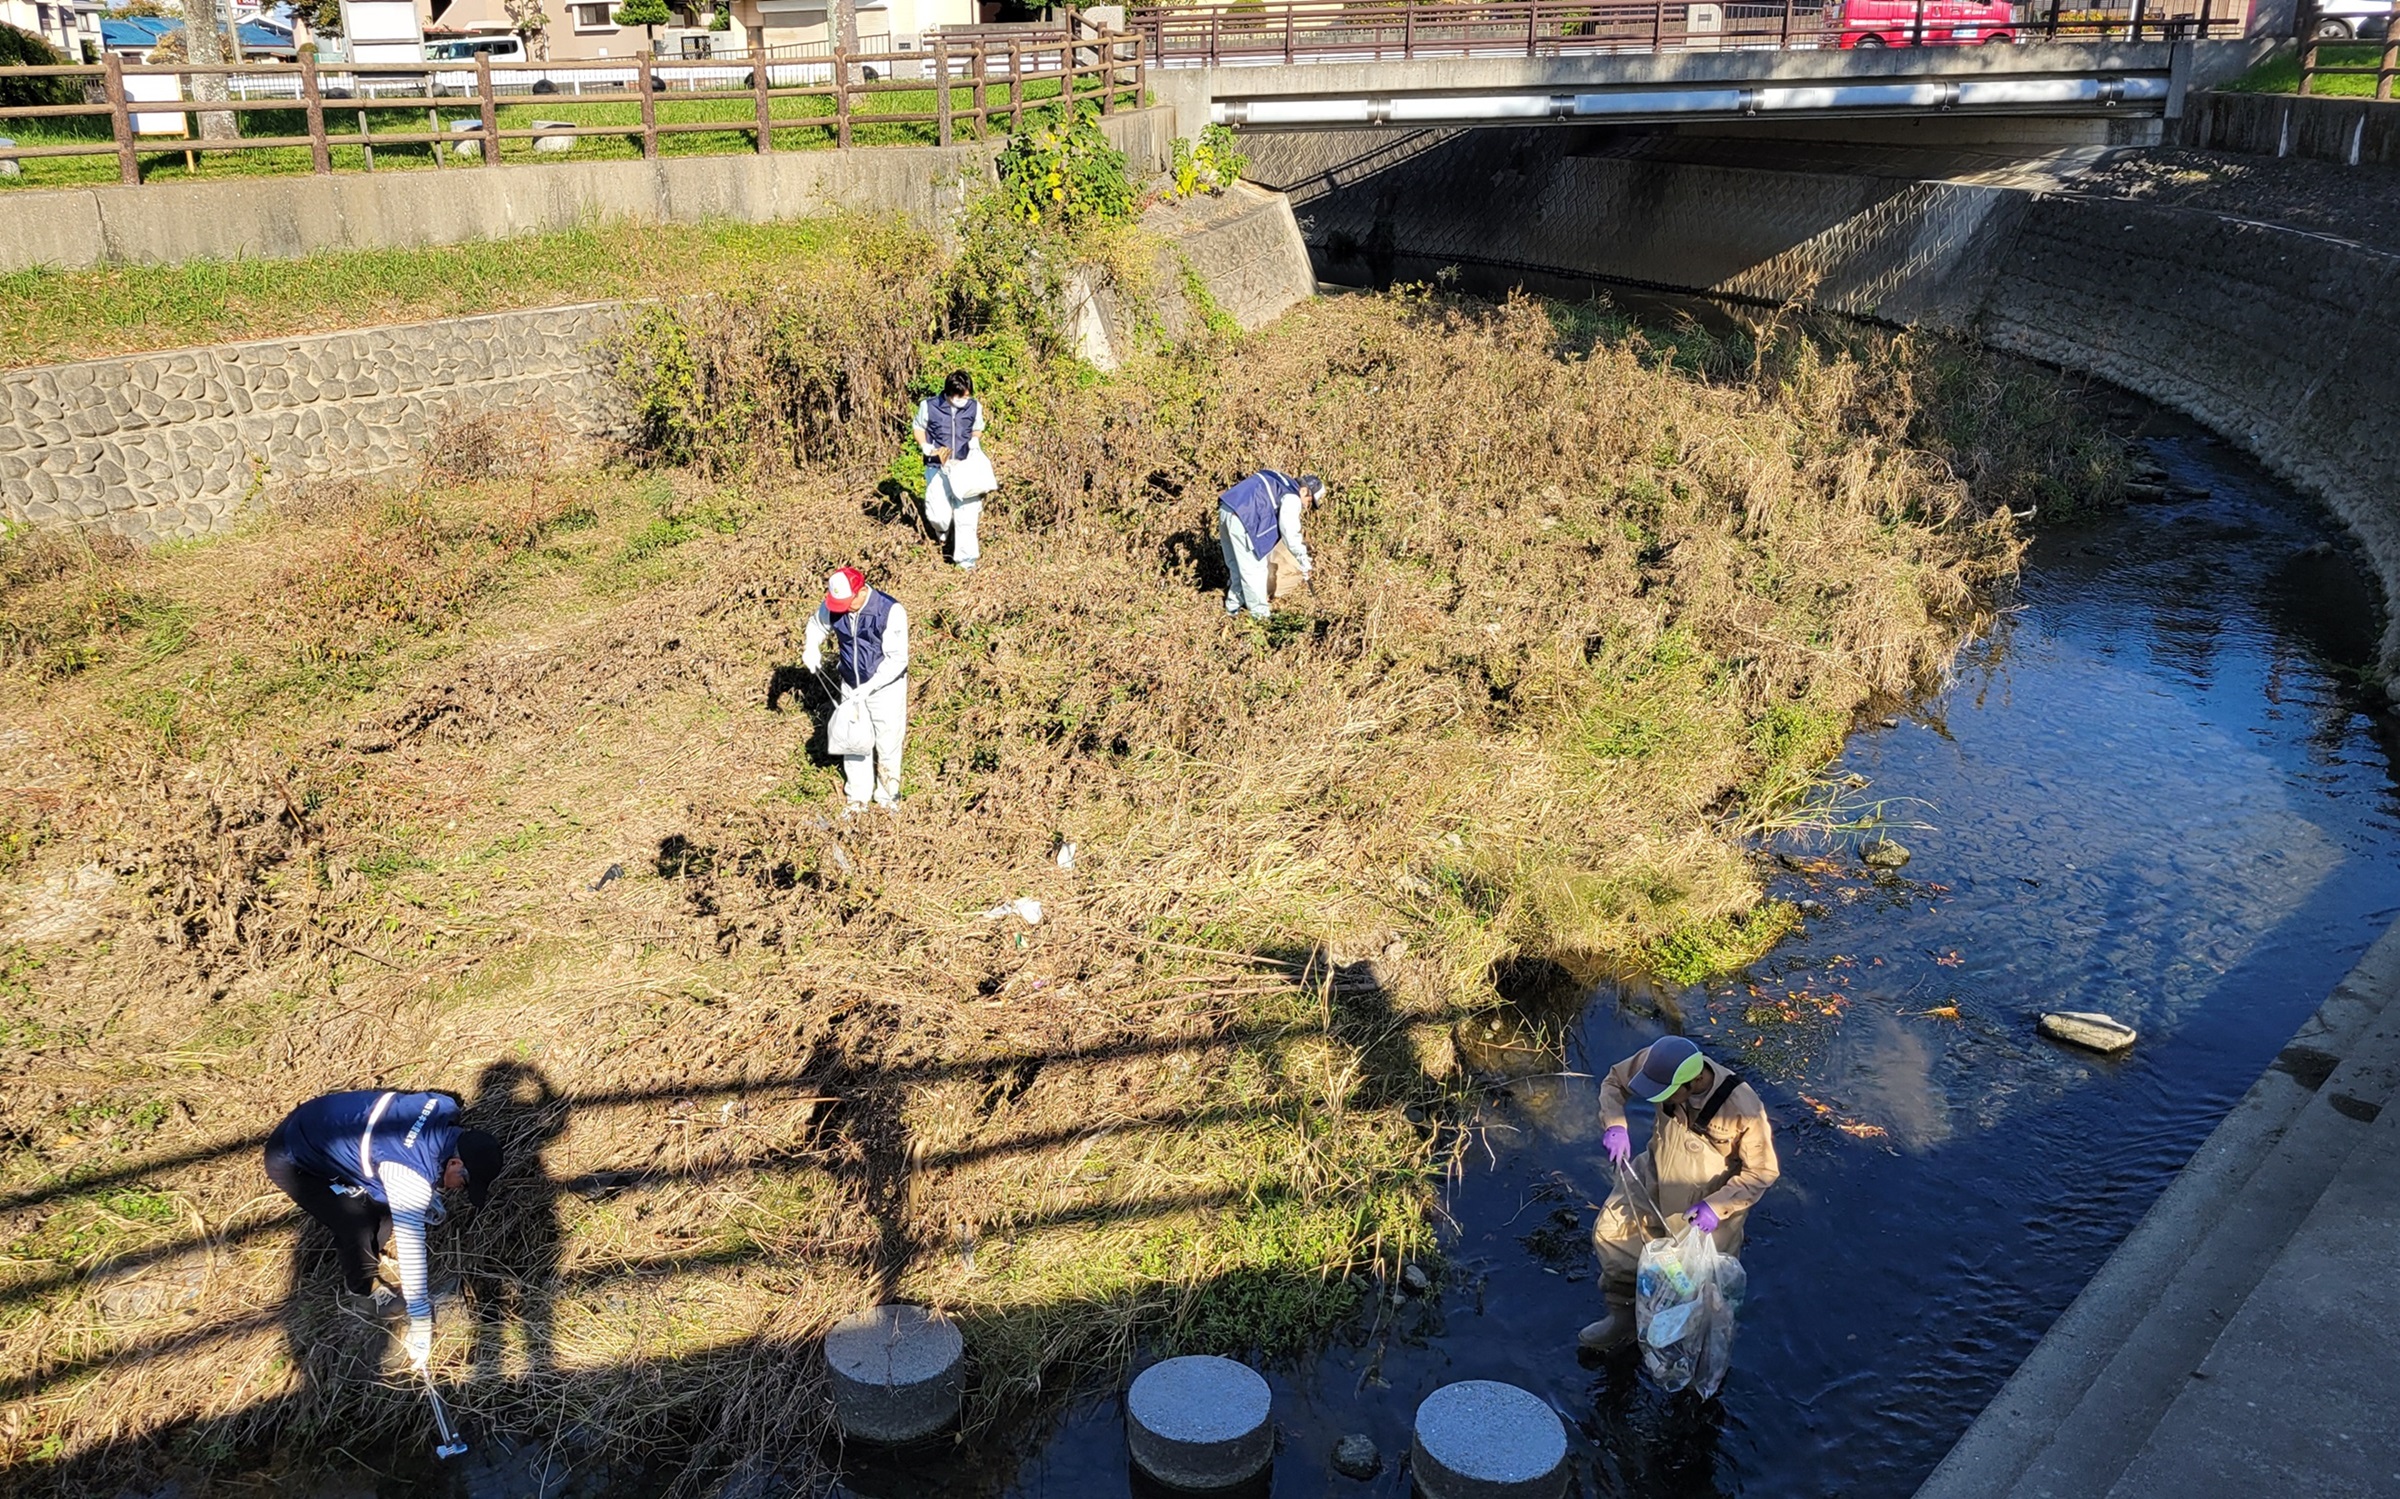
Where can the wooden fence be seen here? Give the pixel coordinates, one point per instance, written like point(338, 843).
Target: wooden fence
point(2314, 39)
point(974, 86)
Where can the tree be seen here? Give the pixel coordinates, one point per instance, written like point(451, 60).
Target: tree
point(530, 20)
point(647, 14)
point(22, 49)
point(845, 35)
point(204, 23)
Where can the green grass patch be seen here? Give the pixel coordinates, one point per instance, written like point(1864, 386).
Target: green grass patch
point(2280, 74)
point(1702, 950)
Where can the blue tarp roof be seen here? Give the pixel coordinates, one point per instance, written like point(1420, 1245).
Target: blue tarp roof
point(141, 33)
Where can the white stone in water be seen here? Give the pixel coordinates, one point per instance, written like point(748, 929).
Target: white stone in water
point(1481, 1439)
point(2090, 1030)
point(1199, 1422)
point(896, 1372)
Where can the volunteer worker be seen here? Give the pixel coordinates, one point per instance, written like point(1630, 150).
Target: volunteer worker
point(869, 629)
point(1258, 524)
point(1711, 1157)
point(369, 1165)
point(958, 473)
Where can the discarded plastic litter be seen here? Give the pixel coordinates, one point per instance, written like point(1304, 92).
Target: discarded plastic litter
point(1024, 906)
point(1684, 1300)
point(2089, 1029)
point(1066, 856)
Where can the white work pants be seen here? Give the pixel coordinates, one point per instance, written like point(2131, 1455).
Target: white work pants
point(954, 520)
point(878, 775)
point(1245, 570)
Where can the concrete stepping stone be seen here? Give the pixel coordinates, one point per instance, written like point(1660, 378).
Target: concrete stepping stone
point(897, 1372)
point(1481, 1439)
point(1200, 1422)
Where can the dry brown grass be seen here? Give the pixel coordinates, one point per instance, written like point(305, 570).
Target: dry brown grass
point(354, 777)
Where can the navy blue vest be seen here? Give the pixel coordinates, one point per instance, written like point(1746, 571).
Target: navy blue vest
point(860, 635)
point(343, 1137)
point(1255, 501)
point(949, 427)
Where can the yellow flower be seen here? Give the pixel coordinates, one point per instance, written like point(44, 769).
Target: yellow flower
point(1058, 195)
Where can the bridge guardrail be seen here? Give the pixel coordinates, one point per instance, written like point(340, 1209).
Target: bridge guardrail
point(1301, 31)
point(974, 85)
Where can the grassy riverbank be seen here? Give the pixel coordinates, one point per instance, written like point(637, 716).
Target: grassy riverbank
point(54, 316)
point(495, 781)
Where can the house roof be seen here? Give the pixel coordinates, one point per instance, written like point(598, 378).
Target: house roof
point(141, 33)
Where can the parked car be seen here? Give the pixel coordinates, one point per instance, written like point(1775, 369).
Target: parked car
point(2342, 20)
point(1932, 23)
point(508, 47)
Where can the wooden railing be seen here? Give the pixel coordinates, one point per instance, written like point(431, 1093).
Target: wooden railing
point(1335, 31)
point(2312, 54)
point(969, 87)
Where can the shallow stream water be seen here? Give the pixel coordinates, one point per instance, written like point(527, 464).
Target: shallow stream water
point(2155, 791)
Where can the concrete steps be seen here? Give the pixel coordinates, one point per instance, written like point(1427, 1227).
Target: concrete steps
point(2103, 1404)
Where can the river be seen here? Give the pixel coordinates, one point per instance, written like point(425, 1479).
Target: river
point(2156, 790)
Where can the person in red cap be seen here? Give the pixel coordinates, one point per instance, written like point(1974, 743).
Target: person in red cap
point(1711, 1156)
point(869, 629)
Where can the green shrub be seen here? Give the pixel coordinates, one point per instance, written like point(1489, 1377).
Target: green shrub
point(1061, 170)
point(1210, 165)
point(22, 49)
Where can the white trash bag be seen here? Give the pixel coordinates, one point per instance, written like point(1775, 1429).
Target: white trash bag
point(850, 731)
point(1684, 1299)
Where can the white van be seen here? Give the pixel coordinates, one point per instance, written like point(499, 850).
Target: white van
point(506, 47)
point(2341, 20)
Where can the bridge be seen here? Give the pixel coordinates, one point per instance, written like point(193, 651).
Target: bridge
point(1318, 66)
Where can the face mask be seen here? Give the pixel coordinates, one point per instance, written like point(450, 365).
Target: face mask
point(958, 401)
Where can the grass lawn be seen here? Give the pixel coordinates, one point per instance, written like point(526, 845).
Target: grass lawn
point(49, 316)
point(2280, 74)
point(804, 123)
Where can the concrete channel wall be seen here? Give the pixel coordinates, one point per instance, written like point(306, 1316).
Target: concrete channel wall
point(2285, 342)
point(174, 445)
point(2353, 132)
point(278, 217)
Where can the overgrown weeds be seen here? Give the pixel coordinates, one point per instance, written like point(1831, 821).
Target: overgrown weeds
point(509, 786)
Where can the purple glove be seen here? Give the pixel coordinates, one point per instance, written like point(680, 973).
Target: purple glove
point(1704, 1218)
point(1618, 1143)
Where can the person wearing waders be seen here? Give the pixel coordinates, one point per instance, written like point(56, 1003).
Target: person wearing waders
point(371, 1166)
point(1258, 523)
point(869, 629)
point(1711, 1157)
point(958, 473)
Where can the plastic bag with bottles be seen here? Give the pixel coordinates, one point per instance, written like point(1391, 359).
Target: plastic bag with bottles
point(1685, 1296)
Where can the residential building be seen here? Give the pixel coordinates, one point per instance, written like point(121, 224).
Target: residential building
point(582, 28)
point(72, 26)
point(135, 37)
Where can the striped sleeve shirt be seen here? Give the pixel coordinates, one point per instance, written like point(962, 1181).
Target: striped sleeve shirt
point(414, 1207)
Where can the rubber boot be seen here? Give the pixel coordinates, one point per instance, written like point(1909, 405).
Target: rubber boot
point(1611, 1331)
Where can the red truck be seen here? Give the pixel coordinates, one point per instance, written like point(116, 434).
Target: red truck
point(1930, 23)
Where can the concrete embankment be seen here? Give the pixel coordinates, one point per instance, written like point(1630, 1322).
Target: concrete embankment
point(275, 217)
point(173, 445)
point(2286, 342)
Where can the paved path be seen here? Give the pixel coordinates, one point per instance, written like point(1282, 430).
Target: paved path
point(2242, 1341)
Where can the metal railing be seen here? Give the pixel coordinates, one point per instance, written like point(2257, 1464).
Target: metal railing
point(1303, 31)
point(968, 87)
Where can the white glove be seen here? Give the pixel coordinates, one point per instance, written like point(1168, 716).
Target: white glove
point(418, 1340)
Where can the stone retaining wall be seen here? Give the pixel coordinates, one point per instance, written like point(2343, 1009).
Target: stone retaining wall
point(169, 446)
point(2285, 342)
